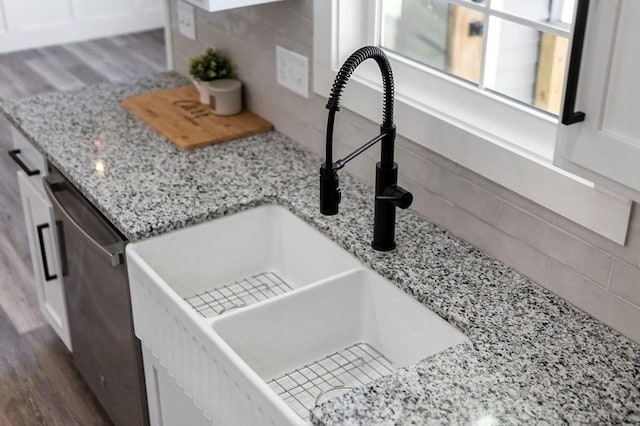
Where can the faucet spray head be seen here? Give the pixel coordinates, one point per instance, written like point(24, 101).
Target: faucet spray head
point(329, 190)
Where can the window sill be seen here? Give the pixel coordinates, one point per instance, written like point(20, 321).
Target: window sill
point(481, 135)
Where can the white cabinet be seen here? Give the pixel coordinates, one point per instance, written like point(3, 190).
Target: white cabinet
point(218, 5)
point(605, 147)
point(42, 235)
point(44, 256)
point(26, 24)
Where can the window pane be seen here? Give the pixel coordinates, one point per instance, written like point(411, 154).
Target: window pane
point(536, 10)
point(526, 64)
point(523, 61)
point(558, 13)
point(435, 33)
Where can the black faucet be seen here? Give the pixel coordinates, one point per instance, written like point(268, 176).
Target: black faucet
point(388, 194)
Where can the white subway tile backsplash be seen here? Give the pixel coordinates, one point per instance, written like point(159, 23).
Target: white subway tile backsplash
point(463, 193)
point(258, 83)
point(291, 32)
point(406, 163)
point(508, 195)
point(625, 282)
point(182, 63)
point(590, 297)
point(371, 128)
point(187, 48)
point(426, 154)
point(519, 255)
point(558, 244)
point(629, 253)
point(288, 122)
point(428, 205)
point(345, 133)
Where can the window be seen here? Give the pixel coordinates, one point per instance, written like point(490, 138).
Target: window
point(463, 113)
point(442, 95)
point(514, 48)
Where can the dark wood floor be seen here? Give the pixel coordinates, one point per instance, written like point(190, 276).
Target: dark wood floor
point(38, 384)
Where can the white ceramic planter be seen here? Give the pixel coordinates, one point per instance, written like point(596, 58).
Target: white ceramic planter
point(203, 90)
point(225, 96)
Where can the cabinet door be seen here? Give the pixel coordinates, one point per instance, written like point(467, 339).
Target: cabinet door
point(27, 24)
point(605, 147)
point(44, 255)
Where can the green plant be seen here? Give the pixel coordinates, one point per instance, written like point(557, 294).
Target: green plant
point(212, 65)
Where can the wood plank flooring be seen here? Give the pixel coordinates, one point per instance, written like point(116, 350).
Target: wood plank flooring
point(38, 383)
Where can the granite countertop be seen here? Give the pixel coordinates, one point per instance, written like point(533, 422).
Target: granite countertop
point(533, 358)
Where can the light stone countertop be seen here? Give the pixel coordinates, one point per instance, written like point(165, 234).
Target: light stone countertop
point(533, 358)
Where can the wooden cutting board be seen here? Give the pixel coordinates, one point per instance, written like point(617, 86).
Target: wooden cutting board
point(179, 116)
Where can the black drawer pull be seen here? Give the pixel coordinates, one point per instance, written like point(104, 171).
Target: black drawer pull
point(14, 154)
point(43, 253)
point(569, 114)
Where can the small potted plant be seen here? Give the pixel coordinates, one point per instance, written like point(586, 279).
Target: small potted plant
point(214, 77)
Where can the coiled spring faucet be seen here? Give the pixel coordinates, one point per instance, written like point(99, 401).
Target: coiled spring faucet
point(388, 195)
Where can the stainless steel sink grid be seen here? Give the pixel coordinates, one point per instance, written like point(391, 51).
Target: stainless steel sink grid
point(304, 388)
point(238, 294)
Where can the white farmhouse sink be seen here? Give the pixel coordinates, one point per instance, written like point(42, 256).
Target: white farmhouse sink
point(256, 317)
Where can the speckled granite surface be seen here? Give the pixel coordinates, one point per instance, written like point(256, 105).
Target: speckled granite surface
point(533, 358)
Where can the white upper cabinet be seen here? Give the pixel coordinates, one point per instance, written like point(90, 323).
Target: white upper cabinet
point(218, 5)
point(605, 147)
point(26, 24)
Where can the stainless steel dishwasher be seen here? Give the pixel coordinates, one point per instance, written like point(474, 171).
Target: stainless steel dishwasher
point(105, 350)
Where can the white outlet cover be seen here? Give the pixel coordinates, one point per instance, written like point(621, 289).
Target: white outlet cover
point(187, 20)
point(292, 71)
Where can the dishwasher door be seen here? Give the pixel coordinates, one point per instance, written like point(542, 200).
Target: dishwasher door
point(105, 350)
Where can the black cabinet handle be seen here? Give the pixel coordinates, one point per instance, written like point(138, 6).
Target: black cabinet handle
point(569, 114)
point(43, 253)
point(62, 248)
point(14, 154)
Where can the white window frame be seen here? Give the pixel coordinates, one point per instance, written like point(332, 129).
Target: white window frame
point(508, 143)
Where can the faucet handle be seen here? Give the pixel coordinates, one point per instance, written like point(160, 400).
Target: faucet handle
point(330, 194)
point(396, 195)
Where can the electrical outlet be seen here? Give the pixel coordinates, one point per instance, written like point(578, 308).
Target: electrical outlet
point(187, 20)
point(292, 71)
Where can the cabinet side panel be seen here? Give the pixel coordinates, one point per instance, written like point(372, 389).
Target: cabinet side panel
point(623, 94)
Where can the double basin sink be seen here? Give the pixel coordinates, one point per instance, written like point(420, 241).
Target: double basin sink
point(259, 317)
